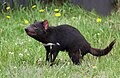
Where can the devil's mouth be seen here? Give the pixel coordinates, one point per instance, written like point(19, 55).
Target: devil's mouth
point(31, 33)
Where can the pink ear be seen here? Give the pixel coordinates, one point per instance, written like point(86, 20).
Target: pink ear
point(45, 24)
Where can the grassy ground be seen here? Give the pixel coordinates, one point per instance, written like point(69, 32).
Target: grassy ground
point(19, 53)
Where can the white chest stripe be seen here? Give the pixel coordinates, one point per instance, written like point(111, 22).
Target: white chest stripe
point(51, 44)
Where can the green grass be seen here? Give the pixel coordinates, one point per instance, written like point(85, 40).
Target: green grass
point(19, 52)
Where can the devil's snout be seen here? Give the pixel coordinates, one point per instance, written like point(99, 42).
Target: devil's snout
point(29, 29)
point(26, 29)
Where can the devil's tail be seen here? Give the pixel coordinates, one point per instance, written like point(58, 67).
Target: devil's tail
point(102, 52)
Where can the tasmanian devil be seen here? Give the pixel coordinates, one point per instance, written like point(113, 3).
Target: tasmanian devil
point(63, 38)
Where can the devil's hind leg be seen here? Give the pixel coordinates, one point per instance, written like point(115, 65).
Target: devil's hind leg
point(75, 57)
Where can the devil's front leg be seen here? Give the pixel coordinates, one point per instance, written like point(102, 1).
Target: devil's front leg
point(53, 54)
point(47, 52)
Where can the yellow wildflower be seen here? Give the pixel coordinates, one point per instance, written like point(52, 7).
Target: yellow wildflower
point(57, 14)
point(33, 6)
point(41, 10)
point(98, 20)
point(56, 10)
point(26, 21)
point(7, 8)
point(94, 67)
point(8, 17)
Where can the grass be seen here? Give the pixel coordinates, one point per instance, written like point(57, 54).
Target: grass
point(19, 52)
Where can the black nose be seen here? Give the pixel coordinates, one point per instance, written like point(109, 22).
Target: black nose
point(26, 29)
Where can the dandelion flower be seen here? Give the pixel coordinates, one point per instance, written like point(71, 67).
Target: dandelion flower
point(56, 10)
point(94, 67)
point(7, 8)
point(41, 10)
point(33, 6)
point(26, 21)
point(98, 20)
point(8, 17)
point(57, 14)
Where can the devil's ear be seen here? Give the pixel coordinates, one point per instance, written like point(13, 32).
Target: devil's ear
point(35, 21)
point(45, 24)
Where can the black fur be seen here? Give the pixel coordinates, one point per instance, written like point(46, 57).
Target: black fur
point(69, 39)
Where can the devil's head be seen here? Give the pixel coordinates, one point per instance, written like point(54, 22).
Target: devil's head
point(37, 28)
